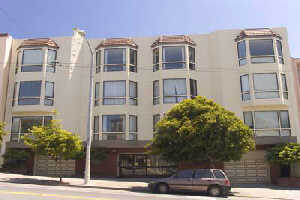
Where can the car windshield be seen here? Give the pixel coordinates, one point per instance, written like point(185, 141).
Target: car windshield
point(219, 174)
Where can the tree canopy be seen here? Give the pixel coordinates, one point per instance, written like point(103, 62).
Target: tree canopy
point(284, 153)
point(54, 142)
point(200, 130)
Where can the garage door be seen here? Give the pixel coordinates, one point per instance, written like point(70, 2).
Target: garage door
point(247, 171)
point(46, 167)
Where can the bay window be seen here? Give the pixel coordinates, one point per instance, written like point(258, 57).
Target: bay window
point(115, 59)
point(133, 127)
point(268, 123)
point(262, 51)
point(156, 119)
point(241, 46)
point(133, 93)
point(49, 93)
point(284, 86)
point(173, 57)
point(155, 92)
point(32, 60)
point(155, 59)
point(265, 86)
point(279, 50)
point(14, 94)
point(29, 93)
point(114, 92)
point(191, 58)
point(113, 127)
point(193, 88)
point(98, 61)
point(51, 60)
point(96, 128)
point(245, 88)
point(174, 90)
point(21, 125)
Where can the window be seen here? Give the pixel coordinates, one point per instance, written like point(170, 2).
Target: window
point(29, 92)
point(245, 89)
point(193, 88)
point(155, 59)
point(192, 58)
point(156, 119)
point(96, 99)
point(21, 125)
point(49, 93)
point(98, 61)
point(268, 123)
point(279, 50)
point(51, 60)
point(241, 46)
point(203, 173)
point(17, 61)
point(133, 93)
point(96, 128)
point(133, 60)
point(284, 86)
point(174, 90)
point(174, 57)
point(113, 127)
point(185, 174)
point(14, 94)
point(133, 127)
point(32, 60)
point(266, 86)
point(155, 92)
point(219, 174)
point(115, 59)
point(262, 51)
point(114, 92)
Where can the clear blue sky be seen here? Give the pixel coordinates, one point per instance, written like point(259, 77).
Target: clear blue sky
point(122, 18)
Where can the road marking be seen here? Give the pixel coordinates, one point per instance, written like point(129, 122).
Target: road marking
point(52, 195)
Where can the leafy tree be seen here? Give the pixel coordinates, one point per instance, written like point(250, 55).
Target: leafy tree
point(200, 130)
point(15, 158)
point(284, 154)
point(2, 132)
point(54, 142)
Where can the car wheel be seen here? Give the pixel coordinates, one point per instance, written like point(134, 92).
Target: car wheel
point(162, 188)
point(214, 191)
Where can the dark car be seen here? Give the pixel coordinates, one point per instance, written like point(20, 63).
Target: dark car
point(212, 181)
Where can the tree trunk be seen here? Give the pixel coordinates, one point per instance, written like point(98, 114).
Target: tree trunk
point(60, 176)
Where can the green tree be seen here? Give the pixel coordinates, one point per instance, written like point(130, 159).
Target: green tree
point(200, 130)
point(54, 142)
point(284, 154)
point(15, 158)
point(2, 132)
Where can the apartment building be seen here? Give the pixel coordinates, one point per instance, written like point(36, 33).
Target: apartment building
point(137, 80)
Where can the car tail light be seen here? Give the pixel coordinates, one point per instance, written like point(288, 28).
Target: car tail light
point(227, 182)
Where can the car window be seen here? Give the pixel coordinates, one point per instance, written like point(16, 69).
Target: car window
point(185, 174)
point(218, 174)
point(203, 173)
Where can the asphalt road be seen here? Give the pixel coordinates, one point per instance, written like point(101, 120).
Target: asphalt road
point(13, 191)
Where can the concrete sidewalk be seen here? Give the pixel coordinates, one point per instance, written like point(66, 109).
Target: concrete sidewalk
point(250, 191)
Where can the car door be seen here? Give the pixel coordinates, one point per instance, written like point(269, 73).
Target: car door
point(202, 179)
point(183, 180)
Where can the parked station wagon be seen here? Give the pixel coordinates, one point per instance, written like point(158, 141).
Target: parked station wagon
point(212, 181)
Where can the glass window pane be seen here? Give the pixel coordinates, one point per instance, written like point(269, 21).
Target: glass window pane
point(51, 57)
point(261, 47)
point(203, 173)
point(269, 59)
point(284, 119)
point(185, 174)
point(173, 54)
point(284, 85)
point(266, 86)
point(133, 57)
point(47, 120)
point(29, 92)
point(156, 119)
point(33, 57)
point(241, 49)
point(193, 87)
point(192, 58)
point(266, 119)
point(219, 174)
point(114, 88)
point(279, 48)
point(96, 124)
point(132, 89)
point(267, 133)
point(114, 56)
point(132, 123)
point(285, 132)
point(155, 88)
point(113, 123)
point(174, 87)
point(28, 122)
point(248, 119)
point(245, 83)
point(97, 88)
point(49, 89)
point(98, 58)
point(15, 125)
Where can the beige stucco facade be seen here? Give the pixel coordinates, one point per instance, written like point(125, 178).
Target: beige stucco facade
point(217, 73)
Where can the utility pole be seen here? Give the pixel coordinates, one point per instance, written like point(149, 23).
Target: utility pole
point(89, 122)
